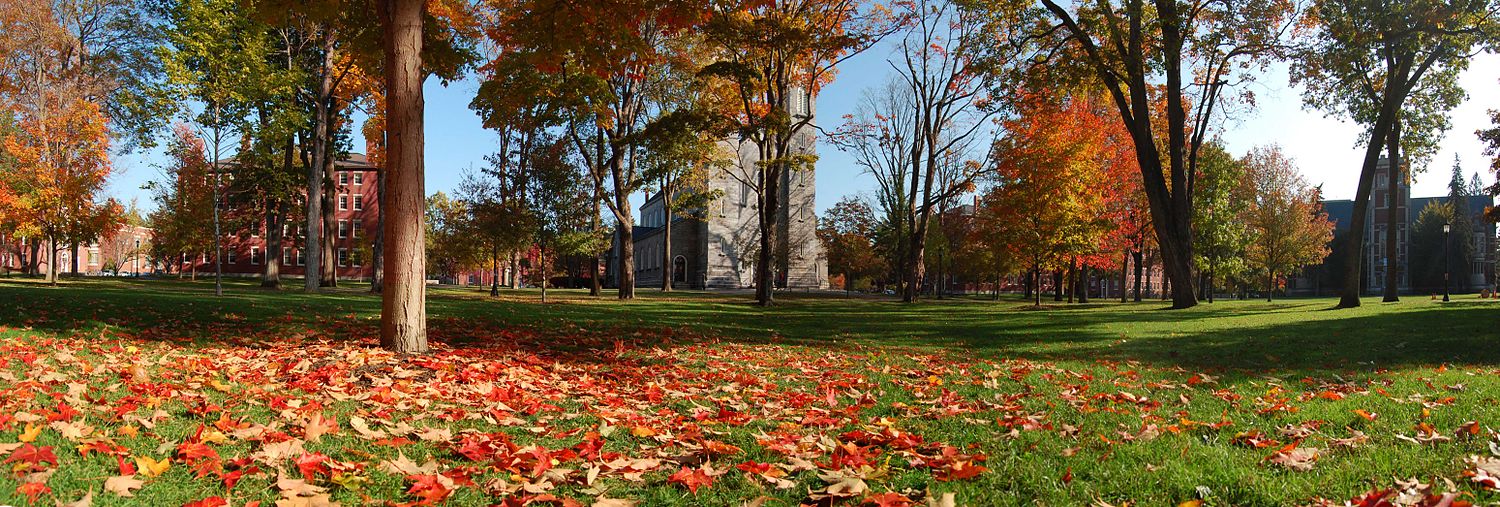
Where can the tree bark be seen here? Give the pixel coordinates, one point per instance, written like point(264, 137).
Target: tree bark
point(1270, 284)
point(1138, 271)
point(495, 270)
point(312, 242)
point(1083, 284)
point(328, 277)
point(667, 266)
point(52, 260)
point(625, 262)
point(1392, 222)
point(271, 276)
point(1057, 285)
point(403, 316)
point(770, 199)
point(1349, 297)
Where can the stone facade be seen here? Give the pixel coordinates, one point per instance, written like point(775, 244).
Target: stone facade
point(718, 251)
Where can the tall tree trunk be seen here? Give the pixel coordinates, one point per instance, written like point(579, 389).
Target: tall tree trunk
point(1139, 256)
point(515, 270)
point(271, 277)
point(1071, 279)
point(34, 261)
point(1124, 275)
point(1083, 284)
point(770, 199)
point(52, 260)
point(312, 242)
point(403, 316)
point(218, 203)
point(329, 276)
point(542, 262)
point(625, 262)
point(1057, 285)
point(667, 266)
point(1353, 269)
point(1270, 284)
point(494, 270)
point(1392, 219)
point(73, 258)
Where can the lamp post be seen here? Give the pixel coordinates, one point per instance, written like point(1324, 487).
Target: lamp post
point(1446, 229)
point(137, 254)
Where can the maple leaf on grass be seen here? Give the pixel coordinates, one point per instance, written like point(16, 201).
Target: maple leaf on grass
point(123, 485)
point(33, 490)
point(1296, 458)
point(430, 489)
point(32, 455)
point(212, 501)
point(887, 499)
point(691, 478)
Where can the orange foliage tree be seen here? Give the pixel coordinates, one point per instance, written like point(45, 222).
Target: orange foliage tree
point(59, 163)
point(1062, 189)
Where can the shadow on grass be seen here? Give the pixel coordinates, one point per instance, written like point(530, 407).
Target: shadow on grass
point(1246, 337)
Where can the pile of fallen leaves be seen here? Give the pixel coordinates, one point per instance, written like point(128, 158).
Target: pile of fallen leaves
point(568, 416)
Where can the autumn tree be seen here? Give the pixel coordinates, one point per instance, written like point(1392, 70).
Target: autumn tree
point(213, 60)
point(559, 198)
point(1045, 197)
point(1285, 217)
point(1220, 234)
point(60, 162)
point(772, 55)
point(408, 59)
point(182, 224)
point(847, 232)
point(500, 221)
point(1367, 61)
point(1166, 65)
point(607, 70)
point(939, 79)
point(449, 242)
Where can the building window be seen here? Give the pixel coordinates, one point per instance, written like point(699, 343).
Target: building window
point(301, 257)
point(255, 257)
point(286, 256)
point(343, 257)
point(358, 224)
point(359, 178)
point(343, 229)
point(359, 202)
point(343, 178)
point(343, 202)
point(229, 258)
point(93, 257)
point(357, 257)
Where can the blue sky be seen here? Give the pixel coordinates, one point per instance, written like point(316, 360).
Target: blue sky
point(1323, 147)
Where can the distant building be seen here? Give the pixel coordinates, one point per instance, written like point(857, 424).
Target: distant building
point(356, 208)
point(1374, 263)
point(719, 250)
point(123, 252)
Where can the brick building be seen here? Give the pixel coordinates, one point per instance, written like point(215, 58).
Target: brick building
point(1374, 263)
point(356, 208)
point(123, 252)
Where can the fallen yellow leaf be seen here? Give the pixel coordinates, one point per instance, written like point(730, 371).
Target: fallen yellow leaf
point(150, 467)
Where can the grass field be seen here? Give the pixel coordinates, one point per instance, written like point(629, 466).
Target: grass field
point(704, 399)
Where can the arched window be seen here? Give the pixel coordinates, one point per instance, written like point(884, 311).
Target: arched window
point(679, 269)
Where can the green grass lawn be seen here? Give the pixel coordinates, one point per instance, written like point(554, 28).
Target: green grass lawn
point(819, 400)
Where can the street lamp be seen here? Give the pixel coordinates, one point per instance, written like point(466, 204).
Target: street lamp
point(137, 254)
point(1446, 229)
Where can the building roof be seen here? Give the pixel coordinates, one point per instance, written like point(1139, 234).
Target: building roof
point(352, 162)
point(1341, 211)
